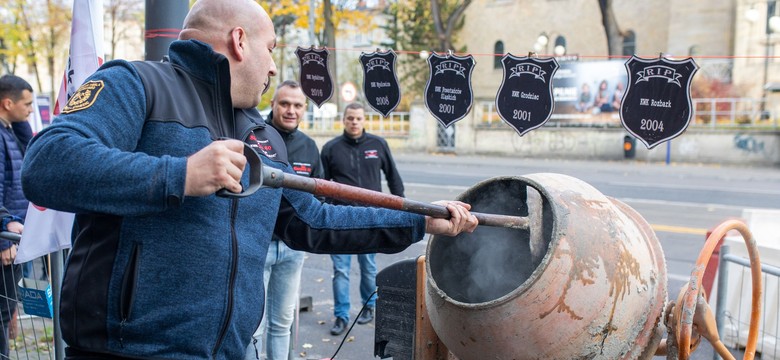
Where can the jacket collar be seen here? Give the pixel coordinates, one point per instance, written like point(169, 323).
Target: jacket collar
point(199, 59)
point(352, 141)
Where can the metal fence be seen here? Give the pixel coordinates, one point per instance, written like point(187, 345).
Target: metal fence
point(29, 336)
point(397, 123)
point(733, 313)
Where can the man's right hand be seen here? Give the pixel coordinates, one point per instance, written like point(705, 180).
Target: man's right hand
point(219, 165)
point(7, 256)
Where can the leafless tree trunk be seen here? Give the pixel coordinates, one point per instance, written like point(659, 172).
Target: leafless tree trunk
point(120, 13)
point(444, 30)
point(330, 42)
point(611, 28)
point(30, 45)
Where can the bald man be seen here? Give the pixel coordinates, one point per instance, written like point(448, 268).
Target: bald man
point(161, 267)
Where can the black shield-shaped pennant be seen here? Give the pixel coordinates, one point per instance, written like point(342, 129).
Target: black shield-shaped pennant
point(448, 94)
point(380, 84)
point(657, 104)
point(316, 81)
point(525, 100)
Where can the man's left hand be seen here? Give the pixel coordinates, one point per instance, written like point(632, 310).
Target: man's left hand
point(460, 220)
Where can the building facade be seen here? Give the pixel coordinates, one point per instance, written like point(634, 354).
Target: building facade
point(704, 29)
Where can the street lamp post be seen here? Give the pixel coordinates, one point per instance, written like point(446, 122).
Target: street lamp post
point(771, 26)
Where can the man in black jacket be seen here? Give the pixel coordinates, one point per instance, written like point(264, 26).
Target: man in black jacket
point(283, 265)
point(357, 158)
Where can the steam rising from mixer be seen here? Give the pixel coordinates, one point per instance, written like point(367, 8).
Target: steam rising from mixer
point(493, 261)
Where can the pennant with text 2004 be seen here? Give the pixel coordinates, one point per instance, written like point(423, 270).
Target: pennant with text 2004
point(525, 100)
point(448, 94)
point(316, 81)
point(657, 104)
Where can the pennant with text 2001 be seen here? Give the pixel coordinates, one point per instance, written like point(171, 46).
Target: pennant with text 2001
point(657, 104)
point(448, 94)
point(525, 100)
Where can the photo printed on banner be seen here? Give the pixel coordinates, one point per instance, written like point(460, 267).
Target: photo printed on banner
point(448, 94)
point(657, 104)
point(380, 83)
point(525, 99)
point(316, 81)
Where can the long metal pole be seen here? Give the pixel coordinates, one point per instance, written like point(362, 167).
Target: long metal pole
point(770, 11)
point(164, 19)
point(276, 178)
point(56, 283)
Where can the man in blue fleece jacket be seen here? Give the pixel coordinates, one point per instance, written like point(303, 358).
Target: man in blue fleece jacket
point(161, 267)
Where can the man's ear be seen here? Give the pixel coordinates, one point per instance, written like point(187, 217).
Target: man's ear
point(6, 103)
point(238, 43)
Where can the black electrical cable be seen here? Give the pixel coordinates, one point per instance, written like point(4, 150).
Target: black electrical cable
point(365, 305)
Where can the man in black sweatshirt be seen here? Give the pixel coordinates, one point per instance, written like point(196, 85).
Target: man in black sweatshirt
point(357, 158)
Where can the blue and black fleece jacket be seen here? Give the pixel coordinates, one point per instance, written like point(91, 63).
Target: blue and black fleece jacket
point(156, 274)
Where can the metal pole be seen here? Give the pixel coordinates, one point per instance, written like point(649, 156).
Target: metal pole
point(312, 42)
point(56, 283)
point(668, 152)
point(770, 11)
point(164, 19)
point(723, 279)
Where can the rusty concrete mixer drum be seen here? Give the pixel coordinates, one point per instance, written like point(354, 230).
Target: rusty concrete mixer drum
point(587, 280)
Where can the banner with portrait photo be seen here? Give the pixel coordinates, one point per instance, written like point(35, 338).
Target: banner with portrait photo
point(589, 92)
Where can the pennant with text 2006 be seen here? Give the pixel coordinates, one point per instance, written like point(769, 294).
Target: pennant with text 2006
point(657, 104)
point(448, 94)
point(525, 100)
point(316, 81)
point(380, 84)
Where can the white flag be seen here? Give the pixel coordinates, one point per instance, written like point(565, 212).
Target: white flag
point(35, 118)
point(46, 230)
point(86, 48)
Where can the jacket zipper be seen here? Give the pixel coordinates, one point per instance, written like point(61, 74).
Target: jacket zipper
point(128, 292)
point(233, 240)
point(232, 279)
point(234, 262)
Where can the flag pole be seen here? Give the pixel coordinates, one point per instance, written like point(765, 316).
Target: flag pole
point(56, 279)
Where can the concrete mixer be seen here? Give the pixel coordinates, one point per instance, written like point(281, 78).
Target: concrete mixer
point(556, 270)
point(586, 279)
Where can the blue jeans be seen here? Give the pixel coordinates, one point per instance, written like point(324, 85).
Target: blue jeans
point(282, 278)
point(341, 265)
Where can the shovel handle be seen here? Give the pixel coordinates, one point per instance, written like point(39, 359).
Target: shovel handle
point(334, 190)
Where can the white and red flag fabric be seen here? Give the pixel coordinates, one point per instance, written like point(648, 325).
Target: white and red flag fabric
point(86, 48)
point(47, 230)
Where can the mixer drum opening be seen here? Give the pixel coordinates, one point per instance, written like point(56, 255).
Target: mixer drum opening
point(491, 262)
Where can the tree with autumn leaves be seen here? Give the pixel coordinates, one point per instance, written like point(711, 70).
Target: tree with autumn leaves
point(36, 34)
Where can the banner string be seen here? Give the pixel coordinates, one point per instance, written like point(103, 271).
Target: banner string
point(626, 57)
point(163, 33)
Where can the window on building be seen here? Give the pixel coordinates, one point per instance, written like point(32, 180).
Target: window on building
point(498, 51)
point(629, 43)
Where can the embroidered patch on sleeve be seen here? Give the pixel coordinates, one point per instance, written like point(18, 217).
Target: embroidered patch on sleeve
point(84, 97)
